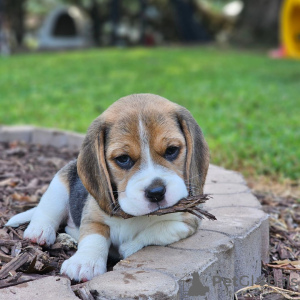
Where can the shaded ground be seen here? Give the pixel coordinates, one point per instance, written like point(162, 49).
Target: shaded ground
point(25, 172)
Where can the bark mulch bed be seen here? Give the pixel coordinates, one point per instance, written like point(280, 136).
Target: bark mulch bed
point(25, 173)
point(281, 276)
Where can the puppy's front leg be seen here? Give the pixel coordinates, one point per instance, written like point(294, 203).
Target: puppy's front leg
point(91, 257)
point(167, 230)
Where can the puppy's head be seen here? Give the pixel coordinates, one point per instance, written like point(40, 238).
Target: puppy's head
point(145, 151)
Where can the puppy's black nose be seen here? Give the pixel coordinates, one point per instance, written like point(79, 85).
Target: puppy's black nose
point(156, 191)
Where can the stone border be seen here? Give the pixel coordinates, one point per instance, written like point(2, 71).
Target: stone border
point(42, 136)
point(223, 256)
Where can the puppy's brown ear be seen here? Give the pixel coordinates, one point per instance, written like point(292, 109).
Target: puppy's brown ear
point(92, 167)
point(197, 154)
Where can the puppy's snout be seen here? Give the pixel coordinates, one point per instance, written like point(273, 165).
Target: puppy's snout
point(156, 191)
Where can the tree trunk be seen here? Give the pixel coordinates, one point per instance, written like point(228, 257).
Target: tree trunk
point(259, 23)
point(14, 11)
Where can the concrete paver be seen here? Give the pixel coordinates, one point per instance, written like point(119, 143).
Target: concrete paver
point(49, 288)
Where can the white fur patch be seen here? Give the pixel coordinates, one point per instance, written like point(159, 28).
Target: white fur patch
point(133, 200)
point(89, 260)
point(131, 235)
point(48, 215)
point(21, 218)
point(71, 229)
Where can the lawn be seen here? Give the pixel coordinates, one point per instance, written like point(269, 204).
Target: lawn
point(247, 104)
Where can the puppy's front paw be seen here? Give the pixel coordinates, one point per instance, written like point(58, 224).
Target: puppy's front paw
point(192, 222)
point(81, 267)
point(129, 248)
point(40, 233)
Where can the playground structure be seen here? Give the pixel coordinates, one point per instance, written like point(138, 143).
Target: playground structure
point(65, 27)
point(290, 28)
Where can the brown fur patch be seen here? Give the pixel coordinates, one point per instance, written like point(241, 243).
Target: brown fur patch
point(197, 157)
point(93, 220)
point(63, 174)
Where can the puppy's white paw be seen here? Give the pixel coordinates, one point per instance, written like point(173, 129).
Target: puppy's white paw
point(129, 248)
point(162, 234)
point(81, 267)
point(21, 218)
point(40, 233)
point(192, 222)
point(182, 231)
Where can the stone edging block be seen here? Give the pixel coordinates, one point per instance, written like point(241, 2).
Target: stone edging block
point(135, 284)
point(41, 136)
point(48, 288)
point(223, 256)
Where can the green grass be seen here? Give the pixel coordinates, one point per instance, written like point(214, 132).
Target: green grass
point(247, 104)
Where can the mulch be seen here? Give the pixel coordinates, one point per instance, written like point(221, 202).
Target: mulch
point(281, 276)
point(25, 173)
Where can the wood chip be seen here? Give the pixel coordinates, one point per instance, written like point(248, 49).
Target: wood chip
point(294, 281)
point(278, 278)
point(9, 243)
point(14, 264)
point(84, 293)
point(16, 249)
point(12, 273)
point(5, 258)
point(4, 249)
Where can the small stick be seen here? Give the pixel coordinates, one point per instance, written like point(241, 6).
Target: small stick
point(15, 233)
point(189, 204)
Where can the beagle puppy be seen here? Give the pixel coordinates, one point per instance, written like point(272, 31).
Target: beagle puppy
point(142, 154)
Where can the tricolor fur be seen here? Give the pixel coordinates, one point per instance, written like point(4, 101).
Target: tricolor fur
point(143, 153)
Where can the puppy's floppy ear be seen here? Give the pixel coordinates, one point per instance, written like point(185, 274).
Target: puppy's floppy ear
point(91, 165)
point(197, 154)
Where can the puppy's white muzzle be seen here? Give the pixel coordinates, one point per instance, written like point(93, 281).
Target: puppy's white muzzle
point(136, 200)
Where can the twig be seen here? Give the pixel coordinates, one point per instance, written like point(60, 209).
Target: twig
point(277, 290)
point(9, 243)
point(14, 232)
point(189, 204)
point(282, 267)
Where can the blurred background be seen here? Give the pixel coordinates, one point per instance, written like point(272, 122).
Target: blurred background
point(57, 24)
point(233, 64)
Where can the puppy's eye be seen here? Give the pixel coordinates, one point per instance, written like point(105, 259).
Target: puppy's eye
point(171, 153)
point(124, 162)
